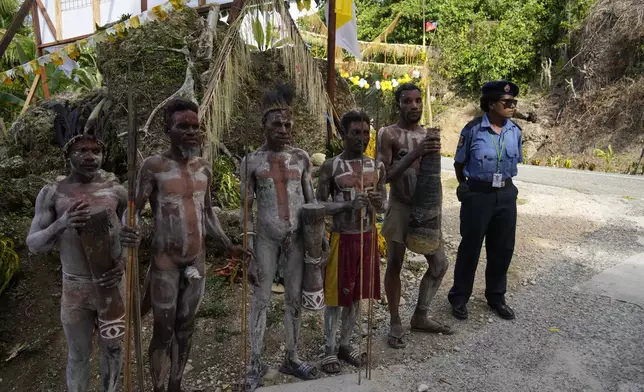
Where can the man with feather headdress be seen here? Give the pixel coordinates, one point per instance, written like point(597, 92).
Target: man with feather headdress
point(92, 285)
point(279, 177)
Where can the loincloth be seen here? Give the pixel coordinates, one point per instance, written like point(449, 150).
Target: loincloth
point(342, 276)
point(396, 222)
point(80, 300)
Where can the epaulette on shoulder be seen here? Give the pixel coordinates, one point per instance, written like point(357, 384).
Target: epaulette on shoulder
point(517, 125)
point(476, 121)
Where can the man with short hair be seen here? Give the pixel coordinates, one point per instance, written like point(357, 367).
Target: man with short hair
point(177, 185)
point(400, 147)
point(278, 176)
point(64, 208)
point(340, 180)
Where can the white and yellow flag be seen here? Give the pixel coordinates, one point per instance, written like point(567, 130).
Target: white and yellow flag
point(346, 26)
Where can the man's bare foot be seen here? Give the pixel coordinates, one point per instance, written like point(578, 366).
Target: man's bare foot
point(396, 333)
point(420, 322)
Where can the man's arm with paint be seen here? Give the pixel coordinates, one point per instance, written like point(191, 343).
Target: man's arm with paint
point(46, 229)
point(307, 180)
point(324, 191)
point(145, 183)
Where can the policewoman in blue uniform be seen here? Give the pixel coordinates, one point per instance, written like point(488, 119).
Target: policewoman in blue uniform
point(489, 150)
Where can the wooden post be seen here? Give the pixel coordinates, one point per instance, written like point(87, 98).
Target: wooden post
point(144, 5)
point(96, 10)
point(32, 91)
point(15, 26)
point(37, 38)
point(59, 21)
point(45, 14)
point(330, 68)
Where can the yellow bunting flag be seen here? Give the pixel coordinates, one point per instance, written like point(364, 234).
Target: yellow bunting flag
point(35, 67)
point(120, 29)
point(135, 22)
point(177, 5)
point(56, 59)
point(159, 12)
point(72, 51)
point(6, 79)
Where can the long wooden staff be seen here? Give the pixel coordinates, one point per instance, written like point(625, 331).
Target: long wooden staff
point(362, 215)
point(373, 256)
point(133, 300)
point(245, 266)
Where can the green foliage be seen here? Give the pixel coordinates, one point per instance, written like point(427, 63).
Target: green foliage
point(554, 161)
point(535, 162)
point(607, 155)
point(479, 40)
point(268, 38)
point(226, 185)
point(568, 163)
point(9, 262)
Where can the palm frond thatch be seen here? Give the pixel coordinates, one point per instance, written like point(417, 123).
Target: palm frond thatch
point(233, 65)
point(411, 53)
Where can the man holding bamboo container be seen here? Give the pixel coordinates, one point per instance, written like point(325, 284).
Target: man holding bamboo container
point(352, 189)
point(400, 148)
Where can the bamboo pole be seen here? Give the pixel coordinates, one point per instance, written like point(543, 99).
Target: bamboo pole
point(330, 70)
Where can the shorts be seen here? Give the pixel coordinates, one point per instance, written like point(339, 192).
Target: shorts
point(396, 222)
point(342, 275)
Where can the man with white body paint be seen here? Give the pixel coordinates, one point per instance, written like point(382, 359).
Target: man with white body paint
point(177, 185)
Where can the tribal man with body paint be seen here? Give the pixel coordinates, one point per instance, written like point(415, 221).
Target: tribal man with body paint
point(279, 177)
point(339, 190)
point(177, 184)
point(62, 209)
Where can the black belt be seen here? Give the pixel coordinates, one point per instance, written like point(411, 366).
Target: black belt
point(487, 186)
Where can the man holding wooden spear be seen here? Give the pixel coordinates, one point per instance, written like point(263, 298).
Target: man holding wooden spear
point(177, 185)
point(348, 185)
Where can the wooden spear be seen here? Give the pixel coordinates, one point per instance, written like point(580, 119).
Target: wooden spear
point(245, 265)
point(133, 310)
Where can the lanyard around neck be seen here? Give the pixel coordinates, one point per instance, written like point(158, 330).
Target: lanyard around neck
point(499, 152)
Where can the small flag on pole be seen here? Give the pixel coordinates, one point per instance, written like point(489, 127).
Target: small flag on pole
point(431, 26)
point(346, 26)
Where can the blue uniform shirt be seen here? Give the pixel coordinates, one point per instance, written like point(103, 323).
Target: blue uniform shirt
point(476, 149)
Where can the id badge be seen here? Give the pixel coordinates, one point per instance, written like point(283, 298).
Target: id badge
point(496, 180)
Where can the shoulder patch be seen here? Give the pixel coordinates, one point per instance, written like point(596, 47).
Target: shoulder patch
point(461, 140)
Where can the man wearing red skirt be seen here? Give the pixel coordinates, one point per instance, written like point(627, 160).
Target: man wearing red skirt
point(350, 186)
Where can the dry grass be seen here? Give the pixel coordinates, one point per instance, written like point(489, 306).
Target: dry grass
point(610, 43)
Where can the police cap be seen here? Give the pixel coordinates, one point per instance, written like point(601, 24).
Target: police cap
point(500, 87)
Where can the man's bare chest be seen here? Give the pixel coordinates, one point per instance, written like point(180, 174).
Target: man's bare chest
point(353, 177)
point(278, 172)
point(182, 184)
point(65, 197)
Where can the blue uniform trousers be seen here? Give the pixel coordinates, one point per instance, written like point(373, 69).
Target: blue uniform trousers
point(489, 213)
